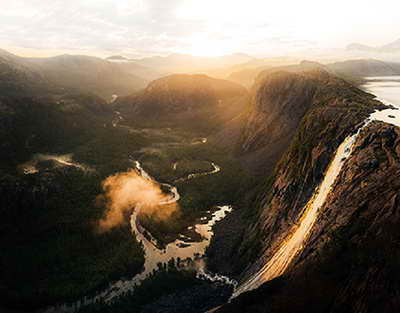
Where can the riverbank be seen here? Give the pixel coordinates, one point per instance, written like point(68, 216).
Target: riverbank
point(160, 291)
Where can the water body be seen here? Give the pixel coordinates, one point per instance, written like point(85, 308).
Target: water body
point(387, 89)
point(215, 169)
point(60, 160)
point(154, 256)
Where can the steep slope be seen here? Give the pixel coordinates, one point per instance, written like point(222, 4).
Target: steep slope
point(247, 73)
point(17, 78)
point(87, 74)
point(32, 125)
point(311, 115)
point(194, 101)
point(280, 102)
point(246, 77)
point(367, 67)
point(69, 74)
point(350, 261)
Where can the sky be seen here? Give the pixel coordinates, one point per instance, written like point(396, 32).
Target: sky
point(138, 28)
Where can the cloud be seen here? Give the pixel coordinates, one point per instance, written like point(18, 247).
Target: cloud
point(125, 192)
point(142, 27)
point(132, 25)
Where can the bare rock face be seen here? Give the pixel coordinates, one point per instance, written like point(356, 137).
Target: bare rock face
point(350, 261)
point(299, 119)
point(280, 101)
point(359, 225)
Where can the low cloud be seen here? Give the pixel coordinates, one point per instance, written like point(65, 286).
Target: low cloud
point(125, 192)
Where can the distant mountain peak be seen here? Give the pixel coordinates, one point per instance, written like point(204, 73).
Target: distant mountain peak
point(117, 57)
point(388, 48)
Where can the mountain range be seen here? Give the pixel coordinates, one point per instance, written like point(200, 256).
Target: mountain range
point(392, 47)
point(273, 127)
point(66, 73)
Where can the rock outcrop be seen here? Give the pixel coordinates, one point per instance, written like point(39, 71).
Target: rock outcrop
point(329, 110)
point(280, 100)
point(350, 261)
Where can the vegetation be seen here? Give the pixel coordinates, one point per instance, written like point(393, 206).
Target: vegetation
point(53, 252)
point(198, 195)
point(168, 283)
point(51, 249)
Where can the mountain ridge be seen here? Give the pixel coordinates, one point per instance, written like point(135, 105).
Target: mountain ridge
point(391, 47)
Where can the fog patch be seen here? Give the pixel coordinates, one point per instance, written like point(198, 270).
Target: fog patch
point(127, 191)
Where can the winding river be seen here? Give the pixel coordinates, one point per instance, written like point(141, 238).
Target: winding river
point(387, 89)
point(180, 248)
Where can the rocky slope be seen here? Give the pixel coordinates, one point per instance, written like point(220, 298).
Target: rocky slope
point(185, 100)
point(350, 261)
point(280, 101)
point(309, 115)
point(351, 70)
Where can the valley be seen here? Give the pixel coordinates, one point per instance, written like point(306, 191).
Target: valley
point(176, 191)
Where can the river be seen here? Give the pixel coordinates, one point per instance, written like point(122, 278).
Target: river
point(153, 255)
point(387, 89)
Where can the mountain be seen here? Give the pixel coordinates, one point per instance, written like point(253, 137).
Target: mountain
point(132, 67)
point(182, 99)
point(297, 122)
point(25, 123)
point(18, 78)
point(258, 133)
point(117, 58)
point(246, 73)
point(365, 67)
point(85, 73)
point(350, 262)
point(392, 47)
point(67, 74)
point(145, 72)
point(246, 77)
point(353, 71)
point(183, 63)
point(360, 47)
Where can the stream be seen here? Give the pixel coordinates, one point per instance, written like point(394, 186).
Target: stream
point(180, 248)
point(387, 90)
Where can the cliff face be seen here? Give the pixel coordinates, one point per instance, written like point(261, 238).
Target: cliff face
point(350, 261)
point(331, 110)
point(280, 102)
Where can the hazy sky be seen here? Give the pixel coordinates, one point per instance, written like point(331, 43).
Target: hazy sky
point(200, 27)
